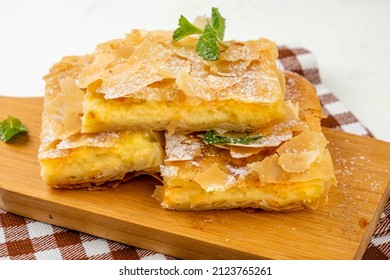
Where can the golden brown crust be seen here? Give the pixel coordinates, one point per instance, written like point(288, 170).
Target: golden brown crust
point(301, 91)
point(106, 185)
point(288, 169)
point(171, 84)
point(70, 159)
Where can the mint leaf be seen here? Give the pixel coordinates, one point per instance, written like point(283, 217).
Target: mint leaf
point(207, 46)
point(211, 36)
point(185, 28)
point(11, 127)
point(211, 137)
point(218, 23)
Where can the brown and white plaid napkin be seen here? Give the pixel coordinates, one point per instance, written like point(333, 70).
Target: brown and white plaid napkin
point(25, 239)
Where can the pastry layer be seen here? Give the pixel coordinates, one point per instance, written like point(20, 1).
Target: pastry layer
point(147, 82)
point(116, 115)
point(94, 163)
point(71, 159)
point(288, 168)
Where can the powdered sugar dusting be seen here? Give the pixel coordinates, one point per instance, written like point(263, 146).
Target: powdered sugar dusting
point(53, 154)
point(179, 147)
point(169, 171)
point(101, 140)
point(230, 181)
point(246, 71)
point(238, 172)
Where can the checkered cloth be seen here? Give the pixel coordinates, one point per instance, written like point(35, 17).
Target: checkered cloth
point(24, 238)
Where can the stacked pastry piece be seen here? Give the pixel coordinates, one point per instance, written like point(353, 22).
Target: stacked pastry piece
point(71, 159)
point(286, 168)
point(234, 136)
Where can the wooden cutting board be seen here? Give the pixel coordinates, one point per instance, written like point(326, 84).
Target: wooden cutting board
point(340, 230)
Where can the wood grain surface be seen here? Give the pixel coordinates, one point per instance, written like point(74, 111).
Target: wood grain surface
point(340, 230)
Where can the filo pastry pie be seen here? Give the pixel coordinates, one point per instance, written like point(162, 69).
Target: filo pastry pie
point(147, 82)
point(70, 159)
point(289, 167)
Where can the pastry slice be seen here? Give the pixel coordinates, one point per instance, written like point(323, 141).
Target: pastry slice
point(147, 82)
point(70, 159)
point(285, 166)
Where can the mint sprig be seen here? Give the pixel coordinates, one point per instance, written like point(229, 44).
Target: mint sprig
point(211, 36)
point(11, 127)
point(217, 23)
point(207, 46)
point(185, 29)
point(211, 137)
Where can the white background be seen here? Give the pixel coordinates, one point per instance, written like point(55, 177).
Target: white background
point(350, 38)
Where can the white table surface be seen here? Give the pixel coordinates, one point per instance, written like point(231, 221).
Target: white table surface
point(350, 38)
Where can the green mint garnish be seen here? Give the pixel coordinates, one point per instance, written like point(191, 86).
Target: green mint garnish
point(11, 127)
point(217, 23)
point(211, 36)
point(207, 46)
point(211, 137)
point(185, 29)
